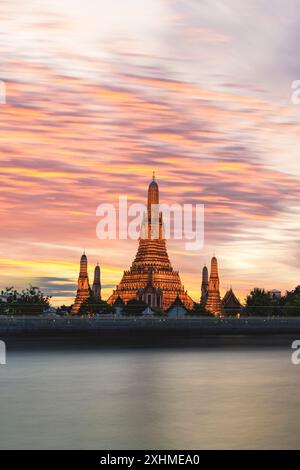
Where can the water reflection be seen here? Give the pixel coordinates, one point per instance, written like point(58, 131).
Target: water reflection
point(159, 399)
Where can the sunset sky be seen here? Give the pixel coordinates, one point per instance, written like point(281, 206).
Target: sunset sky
point(99, 94)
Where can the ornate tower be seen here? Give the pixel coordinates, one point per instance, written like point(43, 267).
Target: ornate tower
point(97, 283)
point(213, 303)
point(83, 287)
point(152, 257)
point(204, 285)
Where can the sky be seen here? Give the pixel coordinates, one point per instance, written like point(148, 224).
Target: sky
point(99, 94)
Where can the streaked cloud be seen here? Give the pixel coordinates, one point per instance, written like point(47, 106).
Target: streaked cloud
point(198, 91)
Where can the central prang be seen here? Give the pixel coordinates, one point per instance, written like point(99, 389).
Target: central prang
point(151, 277)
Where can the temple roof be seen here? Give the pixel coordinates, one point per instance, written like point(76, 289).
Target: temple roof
point(177, 303)
point(230, 300)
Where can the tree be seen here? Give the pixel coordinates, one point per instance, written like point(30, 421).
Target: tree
point(199, 309)
point(291, 303)
point(291, 308)
point(135, 307)
point(92, 306)
point(64, 309)
point(259, 303)
point(30, 301)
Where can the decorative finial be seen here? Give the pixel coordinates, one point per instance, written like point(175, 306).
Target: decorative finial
point(153, 175)
point(84, 251)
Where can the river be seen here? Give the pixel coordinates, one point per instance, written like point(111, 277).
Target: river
point(202, 398)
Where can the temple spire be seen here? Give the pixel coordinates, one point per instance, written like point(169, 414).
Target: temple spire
point(154, 219)
point(97, 283)
point(213, 303)
point(153, 193)
point(204, 285)
point(83, 287)
point(151, 277)
point(83, 265)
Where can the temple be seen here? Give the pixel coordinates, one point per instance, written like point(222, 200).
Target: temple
point(151, 277)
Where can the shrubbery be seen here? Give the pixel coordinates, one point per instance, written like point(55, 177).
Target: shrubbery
point(30, 301)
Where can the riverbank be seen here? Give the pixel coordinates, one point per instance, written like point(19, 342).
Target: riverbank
point(152, 331)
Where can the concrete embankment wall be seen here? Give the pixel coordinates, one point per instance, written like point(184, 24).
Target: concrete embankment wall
point(134, 326)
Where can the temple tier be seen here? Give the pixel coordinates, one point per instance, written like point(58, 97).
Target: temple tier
point(151, 277)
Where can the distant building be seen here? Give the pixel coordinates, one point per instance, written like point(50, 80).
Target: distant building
point(231, 304)
point(275, 294)
point(213, 302)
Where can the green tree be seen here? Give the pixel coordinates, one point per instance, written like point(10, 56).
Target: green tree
point(64, 309)
point(30, 301)
point(93, 306)
point(134, 307)
point(259, 303)
point(200, 310)
point(291, 308)
point(291, 303)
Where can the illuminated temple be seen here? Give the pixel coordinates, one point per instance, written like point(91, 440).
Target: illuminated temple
point(151, 277)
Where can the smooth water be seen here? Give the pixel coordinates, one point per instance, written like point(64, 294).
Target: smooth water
point(178, 399)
